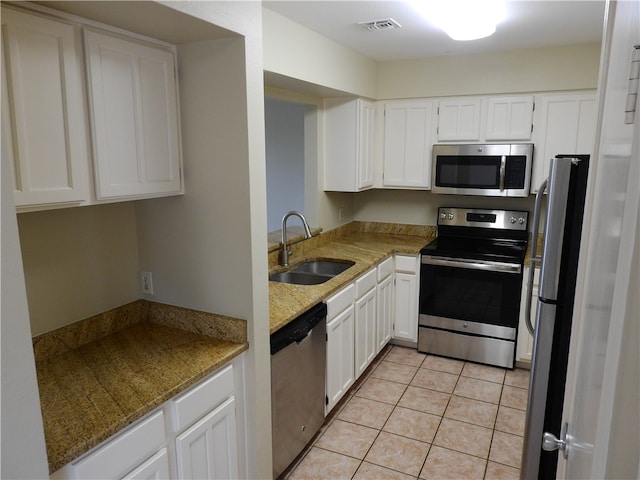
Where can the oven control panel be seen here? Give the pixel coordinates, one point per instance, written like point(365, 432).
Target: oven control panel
point(483, 218)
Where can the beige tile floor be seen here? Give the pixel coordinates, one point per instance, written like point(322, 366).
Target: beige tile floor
point(413, 416)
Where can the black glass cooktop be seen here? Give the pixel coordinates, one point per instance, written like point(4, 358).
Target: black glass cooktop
point(511, 251)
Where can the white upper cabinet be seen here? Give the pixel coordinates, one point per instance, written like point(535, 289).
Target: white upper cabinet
point(509, 118)
point(409, 133)
point(459, 120)
point(134, 112)
point(485, 119)
point(44, 123)
point(349, 131)
point(563, 124)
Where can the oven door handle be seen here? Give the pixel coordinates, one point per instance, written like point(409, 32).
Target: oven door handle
point(472, 264)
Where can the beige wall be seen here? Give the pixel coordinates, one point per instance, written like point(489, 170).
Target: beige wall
point(298, 53)
point(78, 262)
point(206, 249)
point(23, 453)
point(421, 207)
point(566, 68)
point(531, 70)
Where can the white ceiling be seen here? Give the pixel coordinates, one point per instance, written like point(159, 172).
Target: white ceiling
point(529, 24)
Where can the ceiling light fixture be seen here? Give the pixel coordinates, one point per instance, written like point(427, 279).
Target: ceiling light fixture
point(462, 19)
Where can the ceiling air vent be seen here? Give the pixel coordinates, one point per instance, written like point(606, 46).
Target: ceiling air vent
point(385, 24)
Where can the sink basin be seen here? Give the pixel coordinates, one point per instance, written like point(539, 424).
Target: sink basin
point(300, 278)
point(312, 273)
point(323, 267)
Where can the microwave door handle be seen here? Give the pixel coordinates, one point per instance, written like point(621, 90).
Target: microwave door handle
point(503, 169)
point(535, 259)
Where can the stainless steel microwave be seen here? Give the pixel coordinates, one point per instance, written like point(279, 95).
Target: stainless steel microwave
point(492, 170)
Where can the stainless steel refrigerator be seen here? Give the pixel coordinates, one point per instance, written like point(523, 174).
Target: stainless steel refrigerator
point(565, 197)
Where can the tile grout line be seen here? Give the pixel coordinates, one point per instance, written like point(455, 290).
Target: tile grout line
point(369, 375)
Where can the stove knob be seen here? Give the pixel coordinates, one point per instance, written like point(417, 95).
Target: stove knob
point(443, 216)
point(450, 216)
point(513, 219)
point(521, 220)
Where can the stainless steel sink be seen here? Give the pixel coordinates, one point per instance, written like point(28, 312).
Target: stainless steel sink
point(323, 267)
point(313, 272)
point(299, 278)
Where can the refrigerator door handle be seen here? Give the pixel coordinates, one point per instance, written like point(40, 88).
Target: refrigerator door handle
point(535, 259)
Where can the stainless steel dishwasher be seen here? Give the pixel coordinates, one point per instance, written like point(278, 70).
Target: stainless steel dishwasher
point(298, 368)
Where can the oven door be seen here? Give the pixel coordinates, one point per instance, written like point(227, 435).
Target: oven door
point(482, 292)
point(469, 309)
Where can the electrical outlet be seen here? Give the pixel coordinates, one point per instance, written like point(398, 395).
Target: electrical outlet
point(146, 283)
point(340, 212)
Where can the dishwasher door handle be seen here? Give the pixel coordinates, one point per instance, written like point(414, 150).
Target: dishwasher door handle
point(303, 337)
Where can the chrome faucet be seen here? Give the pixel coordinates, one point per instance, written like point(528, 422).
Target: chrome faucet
point(307, 234)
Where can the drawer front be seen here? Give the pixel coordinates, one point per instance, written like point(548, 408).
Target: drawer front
point(124, 452)
point(203, 398)
point(406, 263)
point(340, 301)
point(366, 282)
point(385, 269)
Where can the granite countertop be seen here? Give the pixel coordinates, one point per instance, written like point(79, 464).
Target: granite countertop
point(366, 249)
point(90, 391)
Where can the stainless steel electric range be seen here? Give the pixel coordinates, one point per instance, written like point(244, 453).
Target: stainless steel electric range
point(470, 285)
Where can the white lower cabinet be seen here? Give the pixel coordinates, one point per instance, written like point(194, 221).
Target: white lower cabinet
point(407, 275)
point(340, 345)
point(191, 436)
point(155, 468)
point(127, 452)
point(384, 303)
point(365, 337)
point(360, 321)
point(524, 348)
point(365, 321)
point(208, 448)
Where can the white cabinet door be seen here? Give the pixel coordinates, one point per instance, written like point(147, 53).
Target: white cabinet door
point(509, 118)
point(155, 468)
point(340, 356)
point(459, 120)
point(349, 131)
point(43, 109)
point(365, 331)
point(384, 317)
point(563, 123)
point(409, 131)
point(134, 112)
point(406, 298)
point(524, 349)
point(366, 126)
point(208, 449)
